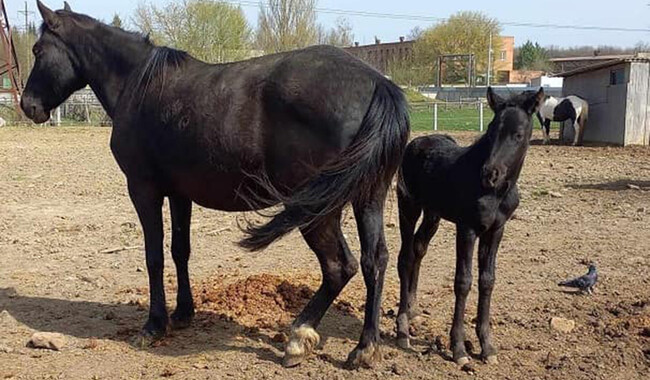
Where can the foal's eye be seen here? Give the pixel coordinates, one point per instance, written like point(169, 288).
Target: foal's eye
point(519, 136)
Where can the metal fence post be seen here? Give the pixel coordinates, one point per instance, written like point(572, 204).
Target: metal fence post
point(435, 116)
point(480, 115)
point(58, 116)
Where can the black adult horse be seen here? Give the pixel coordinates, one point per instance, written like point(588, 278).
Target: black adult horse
point(313, 129)
point(473, 187)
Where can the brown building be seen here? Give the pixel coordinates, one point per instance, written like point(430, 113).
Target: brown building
point(380, 55)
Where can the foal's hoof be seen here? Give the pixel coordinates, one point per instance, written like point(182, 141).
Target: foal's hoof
point(178, 321)
point(364, 357)
point(491, 360)
point(302, 342)
point(463, 361)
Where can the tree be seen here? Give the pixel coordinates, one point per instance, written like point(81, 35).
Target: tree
point(212, 31)
point(463, 33)
point(117, 21)
point(531, 56)
point(286, 25)
point(340, 35)
point(23, 42)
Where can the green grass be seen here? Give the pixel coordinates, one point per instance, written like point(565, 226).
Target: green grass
point(450, 117)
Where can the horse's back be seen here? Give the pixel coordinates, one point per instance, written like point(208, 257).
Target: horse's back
point(427, 157)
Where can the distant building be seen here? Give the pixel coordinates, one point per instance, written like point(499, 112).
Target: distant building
point(566, 64)
point(617, 91)
point(504, 60)
point(380, 55)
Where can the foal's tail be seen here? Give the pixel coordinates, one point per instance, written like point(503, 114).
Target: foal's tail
point(370, 161)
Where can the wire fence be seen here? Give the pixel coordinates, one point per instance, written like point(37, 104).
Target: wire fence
point(450, 116)
point(81, 109)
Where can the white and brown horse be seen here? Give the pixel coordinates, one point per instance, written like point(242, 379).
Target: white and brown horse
point(571, 108)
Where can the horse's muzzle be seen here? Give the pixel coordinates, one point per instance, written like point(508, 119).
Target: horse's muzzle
point(34, 110)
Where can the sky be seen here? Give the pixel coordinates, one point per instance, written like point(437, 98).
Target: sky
point(630, 14)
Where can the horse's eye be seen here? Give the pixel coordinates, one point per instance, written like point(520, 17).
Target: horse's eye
point(519, 136)
point(37, 51)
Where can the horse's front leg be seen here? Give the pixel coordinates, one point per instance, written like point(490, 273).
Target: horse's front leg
point(148, 201)
point(487, 252)
point(465, 241)
point(181, 212)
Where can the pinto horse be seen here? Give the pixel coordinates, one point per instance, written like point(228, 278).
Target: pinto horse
point(571, 108)
point(313, 129)
point(475, 188)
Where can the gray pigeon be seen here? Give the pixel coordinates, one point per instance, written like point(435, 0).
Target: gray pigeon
point(584, 283)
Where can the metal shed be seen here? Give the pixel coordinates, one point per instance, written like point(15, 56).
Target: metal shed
point(618, 94)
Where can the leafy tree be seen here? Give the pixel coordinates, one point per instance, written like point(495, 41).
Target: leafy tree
point(117, 21)
point(463, 33)
point(23, 42)
point(531, 56)
point(286, 25)
point(213, 31)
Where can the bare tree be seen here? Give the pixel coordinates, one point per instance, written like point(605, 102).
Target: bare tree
point(286, 25)
point(340, 35)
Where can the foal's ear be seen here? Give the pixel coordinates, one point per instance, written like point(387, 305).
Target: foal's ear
point(494, 100)
point(66, 7)
point(50, 18)
point(534, 103)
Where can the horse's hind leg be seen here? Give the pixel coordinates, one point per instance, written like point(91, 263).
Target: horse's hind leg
point(576, 132)
point(374, 258)
point(148, 201)
point(181, 212)
point(338, 267)
point(410, 259)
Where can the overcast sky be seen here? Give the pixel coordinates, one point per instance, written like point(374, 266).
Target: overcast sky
point(631, 14)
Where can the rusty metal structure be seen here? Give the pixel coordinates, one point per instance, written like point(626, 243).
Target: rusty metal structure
point(9, 65)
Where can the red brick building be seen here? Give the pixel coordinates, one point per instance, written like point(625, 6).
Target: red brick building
point(380, 55)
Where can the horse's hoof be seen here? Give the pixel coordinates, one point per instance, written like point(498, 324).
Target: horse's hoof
point(364, 357)
point(404, 343)
point(146, 339)
point(491, 360)
point(302, 342)
point(180, 322)
point(463, 361)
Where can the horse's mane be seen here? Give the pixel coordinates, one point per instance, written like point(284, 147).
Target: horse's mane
point(156, 67)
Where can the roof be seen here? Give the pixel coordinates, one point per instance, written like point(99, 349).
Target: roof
point(639, 57)
point(591, 58)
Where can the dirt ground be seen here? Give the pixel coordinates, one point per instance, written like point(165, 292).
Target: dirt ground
point(71, 261)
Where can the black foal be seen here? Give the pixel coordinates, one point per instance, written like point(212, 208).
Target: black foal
point(474, 187)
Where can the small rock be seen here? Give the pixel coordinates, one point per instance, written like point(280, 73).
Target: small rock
point(555, 194)
point(398, 369)
point(139, 269)
point(645, 332)
point(50, 341)
point(469, 368)
point(562, 325)
point(633, 187)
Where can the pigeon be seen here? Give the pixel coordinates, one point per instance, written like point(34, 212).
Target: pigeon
point(584, 283)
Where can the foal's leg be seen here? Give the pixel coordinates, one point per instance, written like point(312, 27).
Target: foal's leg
point(409, 212)
point(465, 241)
point(487, 254)
point(338, 267)
point(181, 211)
point(409, 281)
point(576, 131)
point(148, 201)
point(374, 258)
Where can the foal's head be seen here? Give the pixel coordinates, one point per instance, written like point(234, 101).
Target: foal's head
point(55, 75)
point(509, 134)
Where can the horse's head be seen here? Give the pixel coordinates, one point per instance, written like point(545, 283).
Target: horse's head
point(509, 134)
point(56, 73)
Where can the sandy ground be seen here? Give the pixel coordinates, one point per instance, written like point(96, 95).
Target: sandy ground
point(64, 209)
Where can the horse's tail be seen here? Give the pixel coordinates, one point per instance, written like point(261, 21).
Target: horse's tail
point(373, 156)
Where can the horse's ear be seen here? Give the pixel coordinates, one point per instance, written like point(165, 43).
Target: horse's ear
point(494, 100)
point(50, 18)
point(66, 6)
point(535, 102)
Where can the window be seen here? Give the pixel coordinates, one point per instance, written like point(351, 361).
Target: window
point(504, 55)
point(617, 77)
